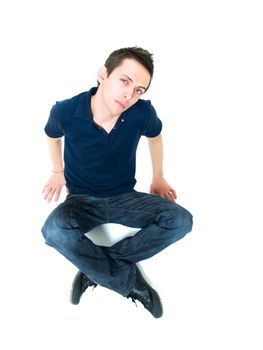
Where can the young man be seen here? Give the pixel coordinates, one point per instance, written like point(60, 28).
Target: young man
point(102, 128)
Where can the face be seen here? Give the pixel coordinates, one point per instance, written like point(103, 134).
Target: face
point(124, 86)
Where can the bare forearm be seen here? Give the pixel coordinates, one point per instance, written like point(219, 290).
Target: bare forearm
point(159, 185)
point(156, 152)
point(56, 181)
point(55, 151)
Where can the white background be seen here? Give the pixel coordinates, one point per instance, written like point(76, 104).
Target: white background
point(207, 89)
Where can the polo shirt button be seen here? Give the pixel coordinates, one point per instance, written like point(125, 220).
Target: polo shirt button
point(122, 120)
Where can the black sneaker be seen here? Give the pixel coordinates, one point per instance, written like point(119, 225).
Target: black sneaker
point(80, 283)
point(143, 292)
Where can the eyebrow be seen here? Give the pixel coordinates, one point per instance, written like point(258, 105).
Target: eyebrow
point(142, 87)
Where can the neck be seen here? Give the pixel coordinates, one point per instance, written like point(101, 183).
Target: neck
point(100, 112)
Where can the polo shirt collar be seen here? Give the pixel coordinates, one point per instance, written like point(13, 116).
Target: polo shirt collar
point(84, 107)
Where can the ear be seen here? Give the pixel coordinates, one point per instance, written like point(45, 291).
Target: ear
point(102, 74)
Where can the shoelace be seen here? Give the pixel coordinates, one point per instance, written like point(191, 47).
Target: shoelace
point(142, 300)
point(133, 300)
point(88, 284)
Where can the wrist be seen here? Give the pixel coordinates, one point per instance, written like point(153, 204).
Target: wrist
point(157, 177)
point(57, 172)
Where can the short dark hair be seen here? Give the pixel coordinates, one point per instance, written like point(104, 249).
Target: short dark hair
point(143, 56)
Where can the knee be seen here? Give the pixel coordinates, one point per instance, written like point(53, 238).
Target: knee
point(48, 229)
point(58, 227)
point(188, 221)
point(177, 217)
point(185, 220)
point(51, 227)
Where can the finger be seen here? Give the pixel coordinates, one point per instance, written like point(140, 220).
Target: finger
point(45, 187)
point(57, 194)
point(165, 195)
point(172, 190)
point(50, 195)
point(47, 190)
point(171, 196)
point(172, 193)
point(159, 193)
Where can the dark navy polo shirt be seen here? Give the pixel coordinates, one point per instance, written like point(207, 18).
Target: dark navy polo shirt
point(98, 163)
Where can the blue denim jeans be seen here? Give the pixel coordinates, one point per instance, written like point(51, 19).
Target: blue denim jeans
point(162, 223)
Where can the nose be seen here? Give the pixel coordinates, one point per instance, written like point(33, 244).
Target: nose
point(128, 94)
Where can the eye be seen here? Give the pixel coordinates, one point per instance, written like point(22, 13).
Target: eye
point(139, 91)
point(124, 81)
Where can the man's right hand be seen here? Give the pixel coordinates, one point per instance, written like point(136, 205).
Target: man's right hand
point(53, 187)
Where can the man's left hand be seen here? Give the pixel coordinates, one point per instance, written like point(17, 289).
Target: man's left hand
point(161, 188)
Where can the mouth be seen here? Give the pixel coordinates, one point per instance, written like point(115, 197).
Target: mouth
point(120, 104)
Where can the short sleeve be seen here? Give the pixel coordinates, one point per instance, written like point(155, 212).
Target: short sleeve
point(54, 126)
point(153, 125)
